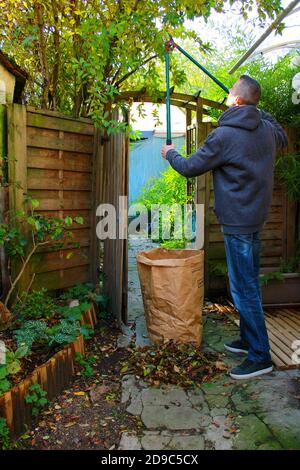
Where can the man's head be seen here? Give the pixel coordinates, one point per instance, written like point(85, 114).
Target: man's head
point(245, 91)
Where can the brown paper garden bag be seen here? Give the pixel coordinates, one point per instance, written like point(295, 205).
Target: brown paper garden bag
point(172, 289)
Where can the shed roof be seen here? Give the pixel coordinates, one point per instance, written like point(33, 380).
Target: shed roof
point(20, 74)
point(12, 67)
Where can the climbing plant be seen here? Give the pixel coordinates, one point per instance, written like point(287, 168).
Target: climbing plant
point(27, 231)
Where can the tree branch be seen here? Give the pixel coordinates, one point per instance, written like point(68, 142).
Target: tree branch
point(127, 75)
point(42, 52)
point(135, 6)
point(56, 40)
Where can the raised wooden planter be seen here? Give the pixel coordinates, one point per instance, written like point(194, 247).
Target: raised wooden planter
point(282, 293)
point(53, 376)
point(277, 293)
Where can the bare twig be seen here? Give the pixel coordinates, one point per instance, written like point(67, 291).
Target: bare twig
point(16, 280)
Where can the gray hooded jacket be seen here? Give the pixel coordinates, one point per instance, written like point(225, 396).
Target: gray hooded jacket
point(241, 152)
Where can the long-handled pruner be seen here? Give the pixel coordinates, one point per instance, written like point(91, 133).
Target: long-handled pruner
point(168, 98)
point(170, 45)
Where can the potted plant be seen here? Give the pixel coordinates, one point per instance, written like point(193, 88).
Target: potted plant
point(281, 287)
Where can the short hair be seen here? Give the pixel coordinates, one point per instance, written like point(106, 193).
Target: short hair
point(248, 89)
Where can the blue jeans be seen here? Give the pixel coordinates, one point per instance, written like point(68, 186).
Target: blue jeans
point(243, 261)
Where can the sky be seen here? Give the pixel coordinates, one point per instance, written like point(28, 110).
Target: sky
point(290, 33)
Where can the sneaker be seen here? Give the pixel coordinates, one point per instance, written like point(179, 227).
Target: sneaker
point(237, 346)
point(249, 369)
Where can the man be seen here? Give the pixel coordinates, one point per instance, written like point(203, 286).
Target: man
point(241, 153)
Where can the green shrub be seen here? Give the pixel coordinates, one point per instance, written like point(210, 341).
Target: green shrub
point(86, 363)
point(85, 293)
point(74, 313)
point(35, 305)
point(81, 292)
point(37, 398)
point(11, 367)
point(169, 189)
point(274, 275)
point(32, 332)
point(174, 244)
point(218, 268)
point(4, 435)
point(287, 169)
point(40, 334)
point(66, 332)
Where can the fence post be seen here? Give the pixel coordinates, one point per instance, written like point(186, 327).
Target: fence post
point(203, 189)
point(4, 278)
point(17, 171)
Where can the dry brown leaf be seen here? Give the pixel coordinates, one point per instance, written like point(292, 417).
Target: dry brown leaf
point(220, 365)
point(72, 423)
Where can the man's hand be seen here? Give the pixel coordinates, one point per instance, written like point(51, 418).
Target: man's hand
point(165, 150)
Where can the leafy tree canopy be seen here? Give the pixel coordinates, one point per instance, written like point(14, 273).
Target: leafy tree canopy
point(80, 53)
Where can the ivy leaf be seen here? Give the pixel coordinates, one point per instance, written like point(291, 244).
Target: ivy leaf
point(35, 203)
point(68, 220)
point(79, 220)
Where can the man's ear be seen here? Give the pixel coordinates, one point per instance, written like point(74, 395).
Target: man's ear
point(238, 100)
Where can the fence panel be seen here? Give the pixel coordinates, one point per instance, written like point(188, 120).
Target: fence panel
point(51, 159)
point(278, 235)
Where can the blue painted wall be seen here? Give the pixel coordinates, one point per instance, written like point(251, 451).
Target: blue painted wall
point(145, 161)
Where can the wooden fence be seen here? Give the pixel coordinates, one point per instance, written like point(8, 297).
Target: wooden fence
point(70, 168)
point(279, 233)
point(51, 159)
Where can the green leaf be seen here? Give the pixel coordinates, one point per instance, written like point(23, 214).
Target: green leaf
point(31, 220)
point(22, 351)
point(14, 367)
point(35, 203)
point(3, 372)
point(79, 220)
point(5, 385)
point(68, 220)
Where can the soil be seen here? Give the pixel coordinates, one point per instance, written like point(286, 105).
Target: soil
point(89, 414)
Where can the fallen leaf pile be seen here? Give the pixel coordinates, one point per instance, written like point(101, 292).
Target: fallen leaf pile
point(173, 363)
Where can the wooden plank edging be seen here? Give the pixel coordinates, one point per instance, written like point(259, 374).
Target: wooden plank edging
point(53, 376)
